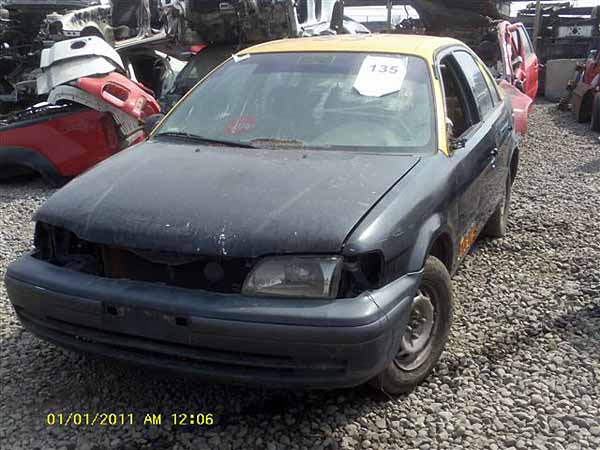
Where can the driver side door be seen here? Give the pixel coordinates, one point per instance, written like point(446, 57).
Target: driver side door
point(470, 109)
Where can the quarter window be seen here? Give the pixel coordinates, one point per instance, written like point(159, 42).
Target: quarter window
point(477, 82)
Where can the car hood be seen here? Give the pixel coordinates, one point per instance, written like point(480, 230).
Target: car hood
point(209, 200)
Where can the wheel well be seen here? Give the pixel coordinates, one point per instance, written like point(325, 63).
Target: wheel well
point(442, 250)
point(514, 165)
point(19, 159)
point(8, 171)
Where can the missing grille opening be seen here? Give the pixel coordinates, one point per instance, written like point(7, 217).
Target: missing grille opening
point(211, 273)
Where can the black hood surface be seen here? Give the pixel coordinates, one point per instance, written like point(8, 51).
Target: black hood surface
point(177, 197)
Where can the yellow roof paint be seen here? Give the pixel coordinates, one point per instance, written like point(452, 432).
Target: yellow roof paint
point(423, 46)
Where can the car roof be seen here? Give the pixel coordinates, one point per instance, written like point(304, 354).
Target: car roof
point(417, 45)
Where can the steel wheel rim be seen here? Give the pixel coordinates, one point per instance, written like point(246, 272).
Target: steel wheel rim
point(416, 343)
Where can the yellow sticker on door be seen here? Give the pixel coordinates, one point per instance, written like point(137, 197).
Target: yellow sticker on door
point(467, 241)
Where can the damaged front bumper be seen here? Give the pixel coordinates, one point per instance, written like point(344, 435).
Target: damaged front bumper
point(303, 343)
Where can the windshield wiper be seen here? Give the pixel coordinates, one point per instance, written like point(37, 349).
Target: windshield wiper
point(205, 140)
point(277, 143)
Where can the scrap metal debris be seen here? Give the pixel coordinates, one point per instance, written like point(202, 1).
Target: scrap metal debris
point(27, 27)
point(93, 111)
point(69, 60)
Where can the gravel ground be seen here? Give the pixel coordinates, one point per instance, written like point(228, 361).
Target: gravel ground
point(521, 371)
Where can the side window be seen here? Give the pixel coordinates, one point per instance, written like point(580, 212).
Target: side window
point(525, 42)
point(457, 109)
point(516, 41)
point(477, 82)
point(492, 86)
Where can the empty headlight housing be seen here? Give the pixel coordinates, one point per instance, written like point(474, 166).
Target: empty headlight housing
point(295, 276)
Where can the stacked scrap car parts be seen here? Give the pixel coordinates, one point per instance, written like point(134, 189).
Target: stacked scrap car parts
point(93, 111)
point(88, 71)
point(29, 26)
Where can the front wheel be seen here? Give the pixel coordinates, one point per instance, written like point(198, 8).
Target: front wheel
point(424, 339)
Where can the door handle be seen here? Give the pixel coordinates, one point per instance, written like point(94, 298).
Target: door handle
point(494, 153)
point(507, 129)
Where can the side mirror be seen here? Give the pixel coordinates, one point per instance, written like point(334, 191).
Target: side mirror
point(454, 143)
point(520, 85)
point(151, 122)
point(457, 144)
point(517, 62)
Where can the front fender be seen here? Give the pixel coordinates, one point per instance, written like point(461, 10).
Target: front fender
point(435, 227)
point(403, 226)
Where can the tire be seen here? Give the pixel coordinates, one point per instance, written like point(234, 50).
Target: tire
point(596, 113)
point(407, 370)
point(497, 224)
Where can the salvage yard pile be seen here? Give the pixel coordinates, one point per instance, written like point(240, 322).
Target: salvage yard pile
point(522, 368)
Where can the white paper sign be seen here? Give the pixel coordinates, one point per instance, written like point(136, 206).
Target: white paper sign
point(380, 75)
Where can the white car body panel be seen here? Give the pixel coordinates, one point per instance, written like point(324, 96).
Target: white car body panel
point(69, 60)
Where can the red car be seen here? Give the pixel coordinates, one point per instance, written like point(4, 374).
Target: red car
point(63, 140)
point(520, 60)
point(58, 142)
point(508, 53)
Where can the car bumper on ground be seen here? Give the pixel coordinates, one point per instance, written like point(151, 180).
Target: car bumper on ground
point(221, 337)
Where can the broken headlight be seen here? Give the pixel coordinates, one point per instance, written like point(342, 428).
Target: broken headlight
point(295, 276)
